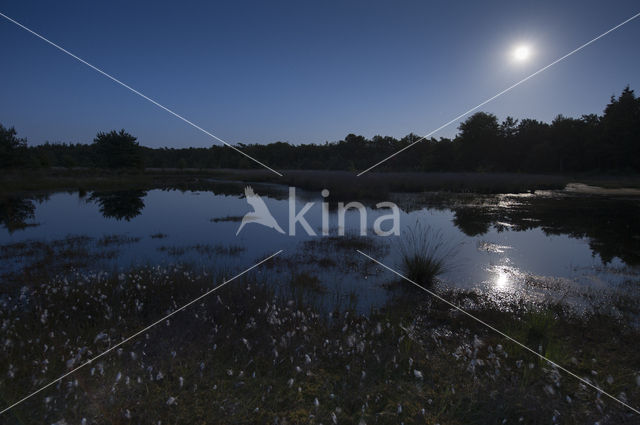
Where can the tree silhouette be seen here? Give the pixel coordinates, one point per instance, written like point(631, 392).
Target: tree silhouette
point(479, 141)
point(11, 147)
point(591, 143)
point(621, 130)
point(117, 150)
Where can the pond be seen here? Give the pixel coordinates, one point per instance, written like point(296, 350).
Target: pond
point(548, 244)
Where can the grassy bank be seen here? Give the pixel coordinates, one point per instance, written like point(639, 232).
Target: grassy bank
point(342, 184)
point(247, 355)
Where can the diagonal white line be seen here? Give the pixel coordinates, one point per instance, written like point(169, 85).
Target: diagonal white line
point(501, 93)
point(433, 294)
point(138, 93)
point(137, 333)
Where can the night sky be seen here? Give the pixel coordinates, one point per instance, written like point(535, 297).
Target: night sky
point(302, 72)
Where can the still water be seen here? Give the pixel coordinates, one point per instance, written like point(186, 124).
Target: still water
point(528, 246)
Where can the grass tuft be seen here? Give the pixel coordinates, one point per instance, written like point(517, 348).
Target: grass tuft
point(425, 254)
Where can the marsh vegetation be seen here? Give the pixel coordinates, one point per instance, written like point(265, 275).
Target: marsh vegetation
point(425, 254)
point(247, 354)
point(318, 334)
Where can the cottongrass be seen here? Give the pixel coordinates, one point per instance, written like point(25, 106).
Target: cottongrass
point(246, 355)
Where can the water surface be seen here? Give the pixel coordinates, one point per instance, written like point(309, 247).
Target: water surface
point(523, 246)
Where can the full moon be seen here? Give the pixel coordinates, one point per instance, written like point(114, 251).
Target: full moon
point(521, 53)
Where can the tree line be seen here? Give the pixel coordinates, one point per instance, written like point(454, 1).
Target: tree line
point(609, 142)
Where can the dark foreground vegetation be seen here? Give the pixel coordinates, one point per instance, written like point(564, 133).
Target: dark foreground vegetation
point(592, 143)
point(247, 354)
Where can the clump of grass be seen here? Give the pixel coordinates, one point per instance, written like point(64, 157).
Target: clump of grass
point(347, 242)
point(159, 235)
point(539, 327)
point(108, 240)
point(202, 249)
point(325, 262)
point(29, 261)
point(231, 218)
point(425, 254)
point(218, 249)
point(305, 280)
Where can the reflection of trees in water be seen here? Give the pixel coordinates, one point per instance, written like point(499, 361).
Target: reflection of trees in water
point(610, 224)
point(15, 212)
point(121, 205)
point(472, 221)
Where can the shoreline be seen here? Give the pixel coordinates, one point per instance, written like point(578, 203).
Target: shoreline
point(340, 183)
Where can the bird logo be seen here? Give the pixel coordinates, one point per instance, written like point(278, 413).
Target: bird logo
point(260, 213)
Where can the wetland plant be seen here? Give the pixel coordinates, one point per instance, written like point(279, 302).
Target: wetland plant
point(425, 254)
